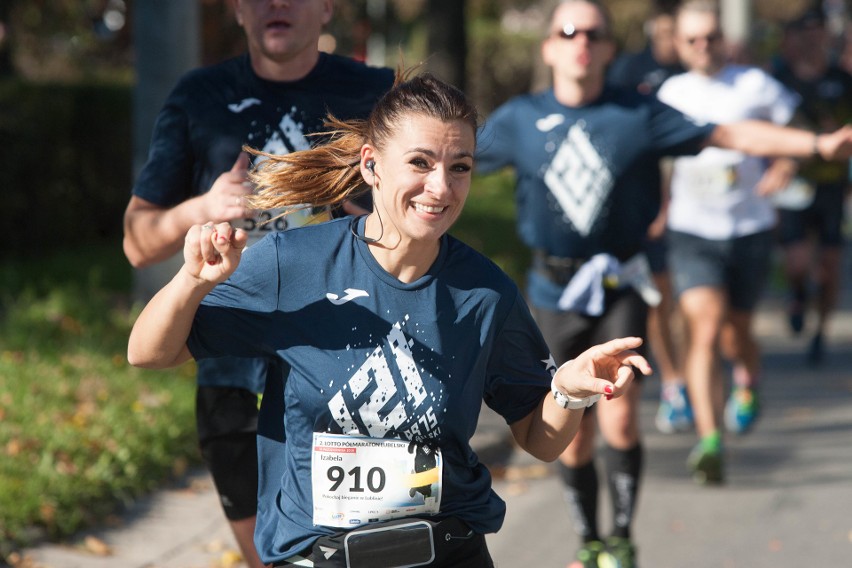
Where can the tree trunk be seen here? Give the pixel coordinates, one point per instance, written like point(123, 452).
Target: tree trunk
point(447, 41)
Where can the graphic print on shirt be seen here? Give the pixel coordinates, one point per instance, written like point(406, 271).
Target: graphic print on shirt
point(387, 394)
point(285, 137)
point(579, 179)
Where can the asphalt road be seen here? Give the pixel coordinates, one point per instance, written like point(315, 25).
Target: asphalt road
point(787, 501)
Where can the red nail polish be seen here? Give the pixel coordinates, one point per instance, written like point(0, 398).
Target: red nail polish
point(211, 262)
point(609, 397)
point(608, 389)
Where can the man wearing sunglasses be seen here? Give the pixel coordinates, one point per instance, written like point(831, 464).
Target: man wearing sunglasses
point(586, 158)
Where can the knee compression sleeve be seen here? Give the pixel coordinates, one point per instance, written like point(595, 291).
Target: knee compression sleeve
point(232, 461)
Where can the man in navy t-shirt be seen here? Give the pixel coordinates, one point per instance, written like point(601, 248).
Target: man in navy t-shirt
point(585, 156)
point(272, 99)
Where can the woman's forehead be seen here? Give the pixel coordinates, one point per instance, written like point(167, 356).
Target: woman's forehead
point(418, 129)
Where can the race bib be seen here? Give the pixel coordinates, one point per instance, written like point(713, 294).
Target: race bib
point(707, 180)
point(359, 480)
point(267, 221)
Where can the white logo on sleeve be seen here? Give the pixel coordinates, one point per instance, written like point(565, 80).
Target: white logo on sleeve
point(239, 107)
point(579, 179)
point(350, 294)
point(549, 122)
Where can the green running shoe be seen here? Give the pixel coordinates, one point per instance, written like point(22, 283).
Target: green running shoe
point(587, 556)
point(706, 464)
point(619, 553)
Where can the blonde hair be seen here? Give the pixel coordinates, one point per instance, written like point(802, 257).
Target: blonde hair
point(329, 174)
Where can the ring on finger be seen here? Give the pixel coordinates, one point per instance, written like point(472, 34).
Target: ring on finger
point(207, 226)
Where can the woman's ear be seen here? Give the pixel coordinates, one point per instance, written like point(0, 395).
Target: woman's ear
point(368, 164)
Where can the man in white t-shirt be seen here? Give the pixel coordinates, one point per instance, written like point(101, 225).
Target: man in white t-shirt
point(720, 227)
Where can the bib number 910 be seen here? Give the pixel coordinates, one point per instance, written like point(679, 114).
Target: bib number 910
point(375, 479)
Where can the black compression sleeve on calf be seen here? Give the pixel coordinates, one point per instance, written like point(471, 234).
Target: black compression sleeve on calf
point(624, 469)
point(581, 496)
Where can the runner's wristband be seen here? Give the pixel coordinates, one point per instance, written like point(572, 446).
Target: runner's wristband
point(569, 402)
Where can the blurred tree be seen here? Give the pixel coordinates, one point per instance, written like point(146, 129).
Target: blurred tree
point(6, 66)
point(447, 40)
point(66, 40)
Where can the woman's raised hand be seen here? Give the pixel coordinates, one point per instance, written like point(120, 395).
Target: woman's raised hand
point(212, 252)
point(605, 369)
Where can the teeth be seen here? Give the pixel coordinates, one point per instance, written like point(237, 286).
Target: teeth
point(427, 208)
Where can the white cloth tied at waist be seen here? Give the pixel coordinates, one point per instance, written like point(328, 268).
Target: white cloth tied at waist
point(585, 292)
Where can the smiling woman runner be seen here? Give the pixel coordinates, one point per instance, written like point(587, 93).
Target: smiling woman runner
point(391, 333)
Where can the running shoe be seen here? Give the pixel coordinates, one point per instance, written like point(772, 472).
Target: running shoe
point(741, 410)
point(816, 350)
point(587, 556)
point(674, 413)
point(619, 553)
point(796, 315)
point(706, 464)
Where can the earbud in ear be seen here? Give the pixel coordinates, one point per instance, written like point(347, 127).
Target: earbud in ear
point(371, 165)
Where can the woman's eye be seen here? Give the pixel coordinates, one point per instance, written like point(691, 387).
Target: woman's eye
point(419, 163)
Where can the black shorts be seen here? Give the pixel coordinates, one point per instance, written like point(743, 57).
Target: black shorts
point(227, 433)
point(823, 218)
point(568, 334)
point(657, 250)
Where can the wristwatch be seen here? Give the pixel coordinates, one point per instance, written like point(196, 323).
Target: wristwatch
point(569, 402)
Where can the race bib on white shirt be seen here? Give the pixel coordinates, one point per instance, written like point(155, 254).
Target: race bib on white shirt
point(359, 480)
point(705, 180)
point(267, 221)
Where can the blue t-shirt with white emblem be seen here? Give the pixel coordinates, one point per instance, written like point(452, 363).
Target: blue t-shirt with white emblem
point(587, 177)
point(422, 357)
point(213, 111)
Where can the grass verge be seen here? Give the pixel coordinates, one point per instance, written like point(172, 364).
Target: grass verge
point(81, 432)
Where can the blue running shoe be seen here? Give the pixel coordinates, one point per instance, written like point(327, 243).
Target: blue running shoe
point(674, 413)
point(741, 410)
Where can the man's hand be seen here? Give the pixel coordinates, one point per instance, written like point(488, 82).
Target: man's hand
point(226, 199)
point(836, 145)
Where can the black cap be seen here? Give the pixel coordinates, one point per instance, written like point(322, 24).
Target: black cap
point(812, 17)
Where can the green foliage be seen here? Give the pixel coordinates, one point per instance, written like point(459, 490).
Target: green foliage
point(81, 432)
point(488, 224)
point(500, 65)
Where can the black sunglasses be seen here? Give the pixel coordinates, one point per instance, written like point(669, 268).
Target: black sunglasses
point(710, 38)
point(568, 31)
